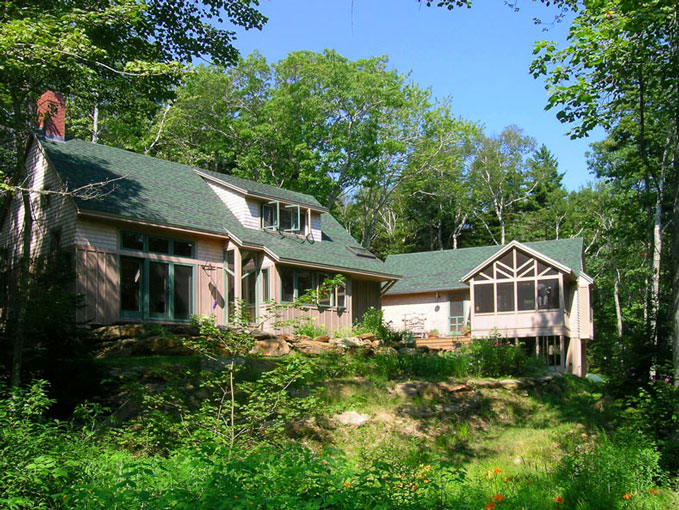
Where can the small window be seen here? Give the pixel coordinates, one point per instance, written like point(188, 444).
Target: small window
point(505, 297)
point(266, 295)
point(270, 216)
point(287, 284)
point(290, 218)
point(341, 301)
point(305, 282)
point(548, 294)
point(183, 248)
point(325, 298)
point(361, 252)
point(159, 245)
point(483, 298)
point(132, 241)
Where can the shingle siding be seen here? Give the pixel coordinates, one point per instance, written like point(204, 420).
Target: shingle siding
point(56, 213)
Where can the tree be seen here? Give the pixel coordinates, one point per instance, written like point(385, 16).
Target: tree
point(77, 46)
point(621, 63)
point(501, 177)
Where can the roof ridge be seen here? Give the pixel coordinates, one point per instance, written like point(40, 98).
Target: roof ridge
point(218, 175)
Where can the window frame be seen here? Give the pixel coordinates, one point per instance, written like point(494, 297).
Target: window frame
point(146, 241)
point(531, 270)
point(317, 278)
point(144, 291)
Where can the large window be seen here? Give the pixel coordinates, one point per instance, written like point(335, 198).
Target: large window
point(155, 289)
point(297, 282)
point(516, 282)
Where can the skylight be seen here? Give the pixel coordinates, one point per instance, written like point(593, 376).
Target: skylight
point(361, 252)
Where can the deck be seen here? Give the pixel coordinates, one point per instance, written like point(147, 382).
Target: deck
point(443, 343)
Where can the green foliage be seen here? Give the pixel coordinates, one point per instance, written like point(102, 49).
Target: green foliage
point(373, 322)
point(495, 357)
point(310, 327)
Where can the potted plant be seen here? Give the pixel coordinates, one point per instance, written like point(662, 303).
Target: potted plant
point(434, 333)
point(466, 330)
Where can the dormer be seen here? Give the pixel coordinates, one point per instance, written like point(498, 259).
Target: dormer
point(263, 207)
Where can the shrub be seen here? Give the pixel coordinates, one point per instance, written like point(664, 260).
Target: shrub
point(495, 357)
point(373, 322)
point(309, 327)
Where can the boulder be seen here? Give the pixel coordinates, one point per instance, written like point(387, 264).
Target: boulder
point(322, 338)
point(352, 418)
point(407, 389)
point(483, 383)
point(349, 342)
point(271, 347)
point(302, 338)
point(258, 334)
point(513, 384)
point(287, 337)
point(407, 350)
point(313, 348)
point(159, 345)
point(367, 336)
point(120, 331)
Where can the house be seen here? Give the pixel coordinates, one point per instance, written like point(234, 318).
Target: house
point(537, 293)
point(160, 241)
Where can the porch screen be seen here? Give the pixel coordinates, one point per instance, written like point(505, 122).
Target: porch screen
point(483, 298)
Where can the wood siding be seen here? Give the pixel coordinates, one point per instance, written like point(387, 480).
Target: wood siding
point(237, 204)
point(51, 214)
point(365, 295)
point(316, 232)
point(98, 277)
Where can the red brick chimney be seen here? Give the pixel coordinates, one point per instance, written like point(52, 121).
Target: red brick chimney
point(52, 115)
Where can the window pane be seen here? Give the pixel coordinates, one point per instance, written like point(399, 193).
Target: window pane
point(548, 270)
point(159, 245)
point(287, 284)
point(158, 286)
point(230, 260)
point(483, 298)
point(505, 297)
point(457, 306)
point(289, 221)
point(305, 282)
point(324, 299)
point(548, 294)
point(302, 221)
point(133, 241)
point(269, 216)
point(183, 248)
point(341, 296)
point(265, 285)
point(521, 258)
point(507, 259)
point(249, 283)
point(487, 271)
point(183, 290)
point(130, 284)
point(526, 295)
point(502, 273)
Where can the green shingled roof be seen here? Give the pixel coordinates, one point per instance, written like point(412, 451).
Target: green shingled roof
point(443, 270)
point(266, 190)
point(154, 190)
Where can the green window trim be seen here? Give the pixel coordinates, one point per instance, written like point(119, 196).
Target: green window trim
point(143, 296)
point(337, 294)
point(174, 244)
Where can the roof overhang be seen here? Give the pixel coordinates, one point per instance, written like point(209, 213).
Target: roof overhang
point(389, 292)
point(530, 251)
point(133, 221)
point(261, 196)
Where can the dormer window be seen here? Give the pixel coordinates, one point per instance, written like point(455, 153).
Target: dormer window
point(361, 252)
point(290, 219)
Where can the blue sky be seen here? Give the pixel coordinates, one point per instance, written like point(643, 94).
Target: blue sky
point(479, 57)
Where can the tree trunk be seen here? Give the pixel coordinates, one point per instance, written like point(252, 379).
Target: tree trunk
point(616, 295)
point(95, 123)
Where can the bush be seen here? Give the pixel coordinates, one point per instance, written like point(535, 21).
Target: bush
point(496, 357)
point(309, 327)
point(373, 322)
